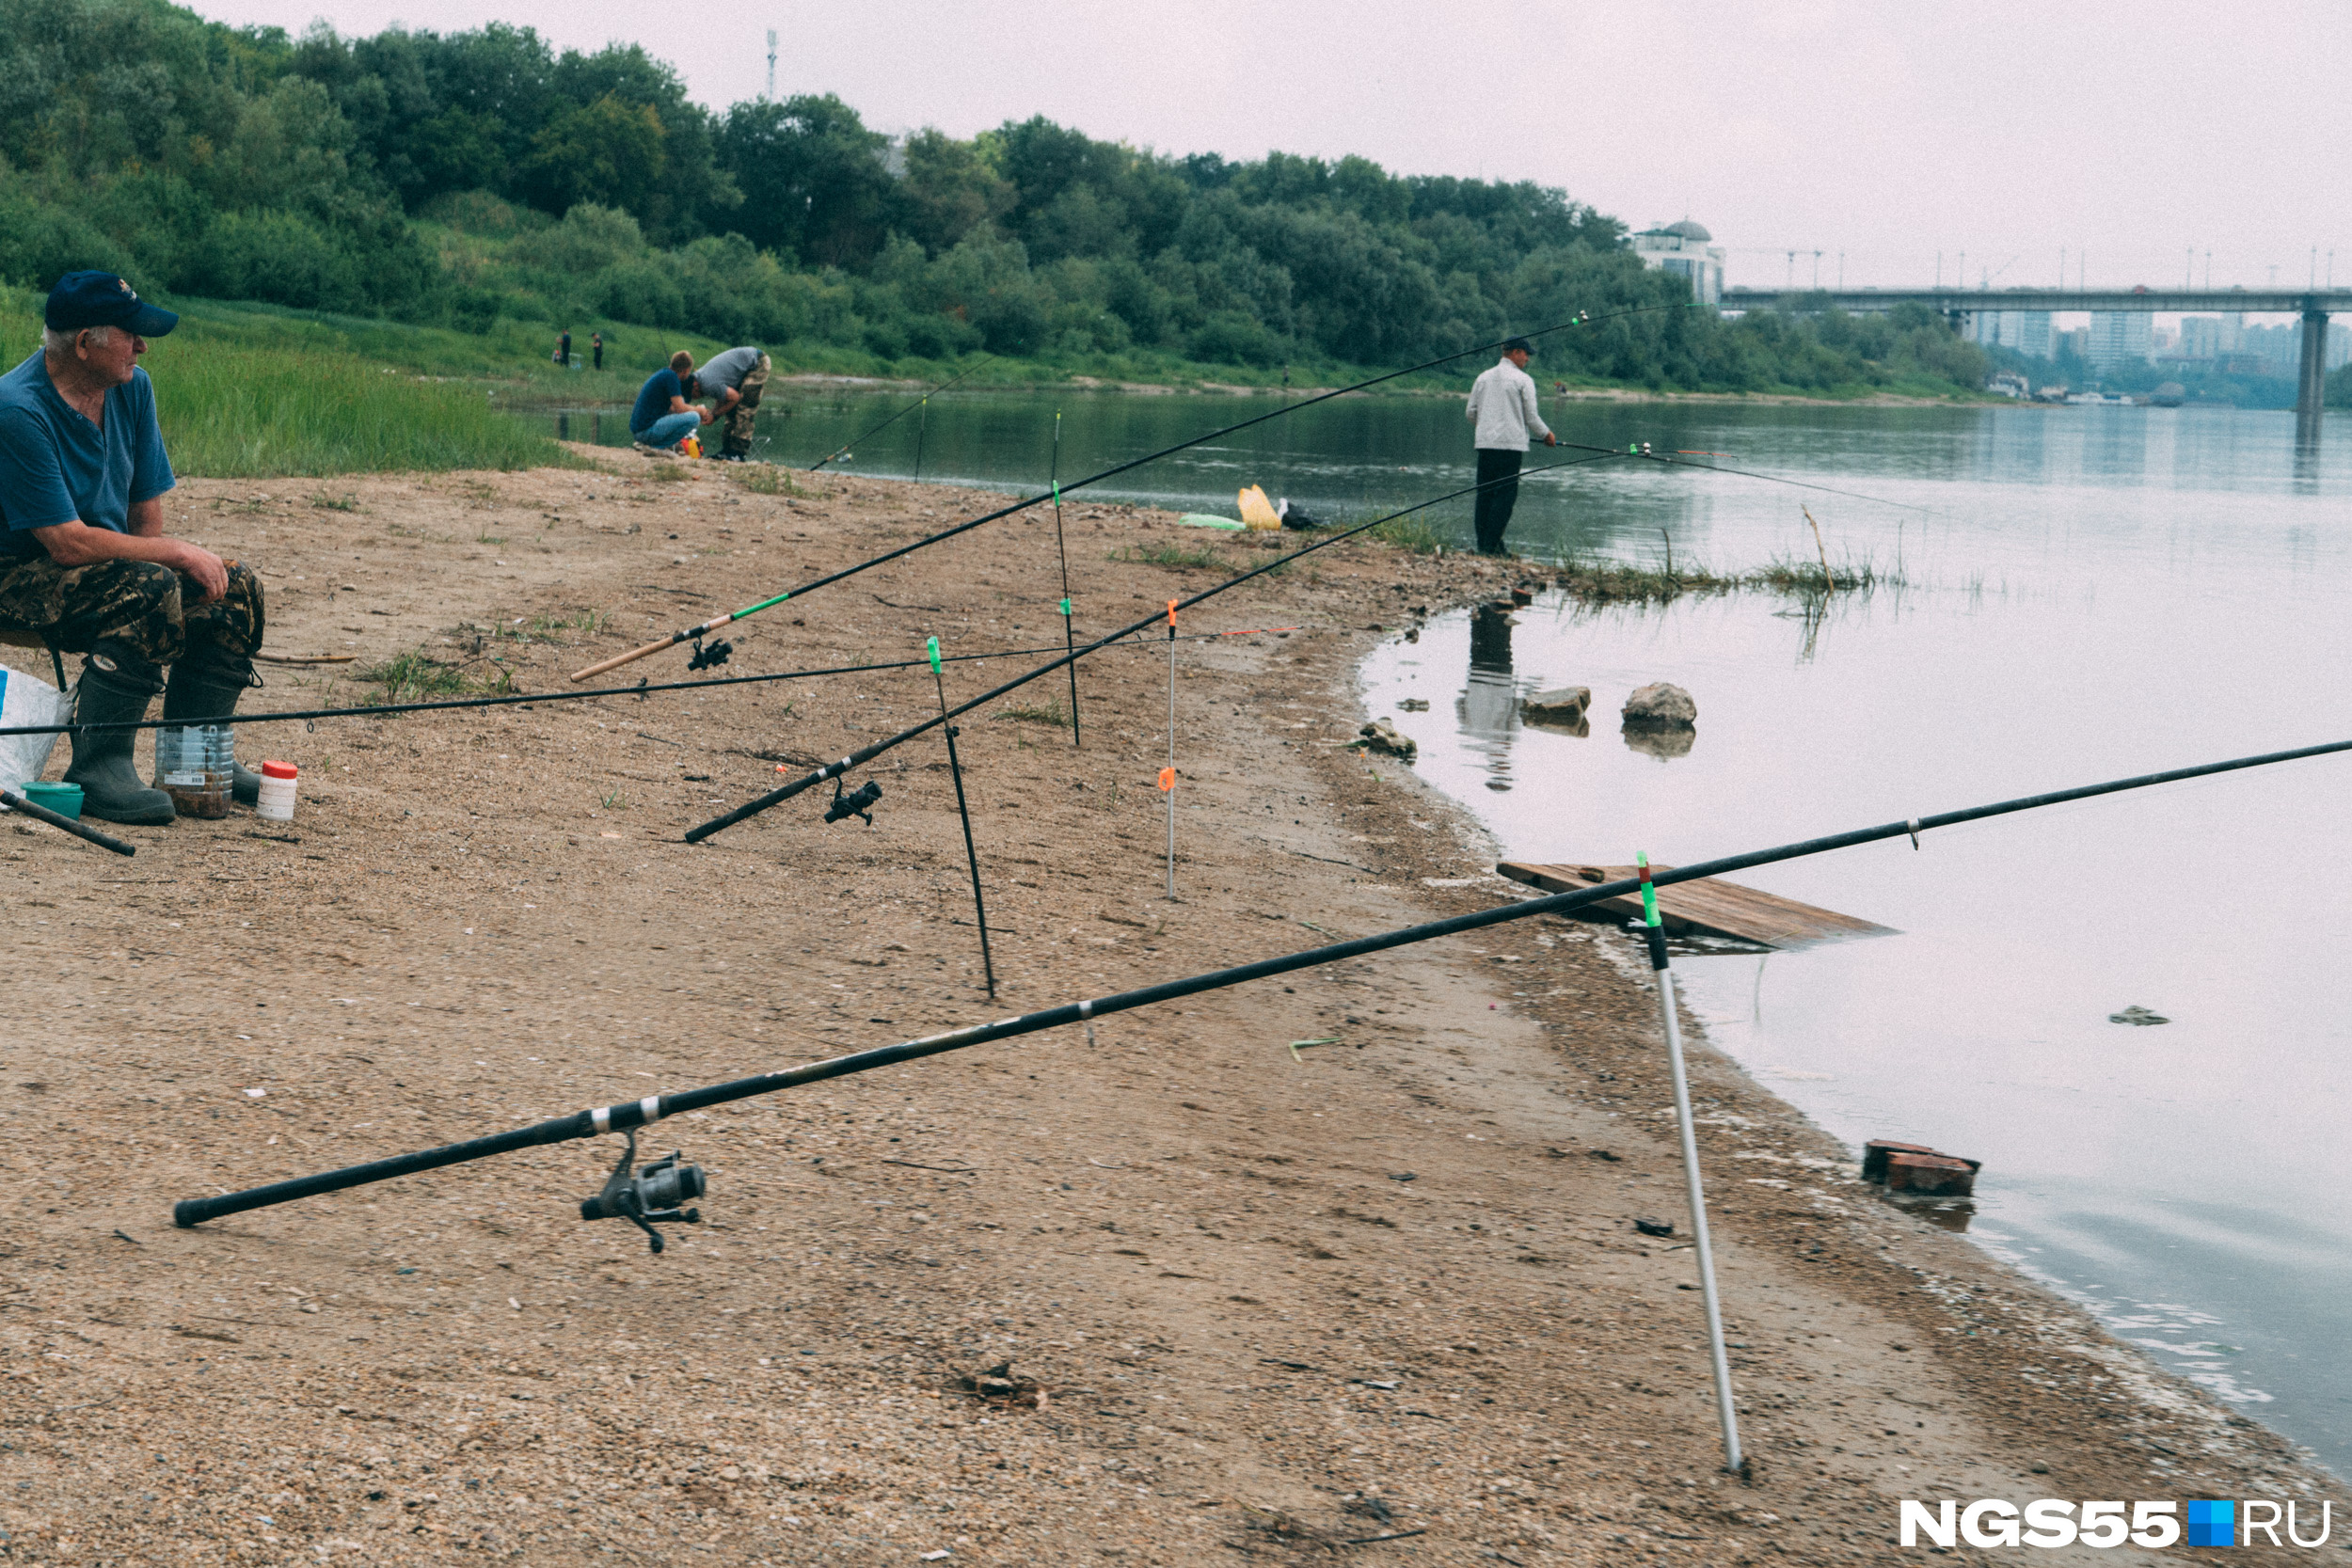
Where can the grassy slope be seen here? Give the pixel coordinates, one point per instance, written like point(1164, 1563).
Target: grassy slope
point(244, 394)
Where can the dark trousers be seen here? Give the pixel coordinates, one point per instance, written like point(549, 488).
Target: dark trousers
point(1498, 492)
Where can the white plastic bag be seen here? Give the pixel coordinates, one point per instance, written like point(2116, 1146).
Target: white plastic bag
point(27, 700)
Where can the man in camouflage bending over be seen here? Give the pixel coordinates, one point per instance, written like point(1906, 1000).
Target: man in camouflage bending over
point(84, 559)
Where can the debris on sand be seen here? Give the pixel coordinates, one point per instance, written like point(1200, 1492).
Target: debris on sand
point(1382, 736)
point(997, 1386)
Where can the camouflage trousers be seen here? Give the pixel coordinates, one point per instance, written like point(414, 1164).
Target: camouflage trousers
point(146, 609)
point(740, 417)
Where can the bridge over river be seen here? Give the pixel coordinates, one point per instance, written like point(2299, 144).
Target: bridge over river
point(2313, 304)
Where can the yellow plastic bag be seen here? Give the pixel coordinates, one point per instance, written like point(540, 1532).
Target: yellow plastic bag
point(1257, 512)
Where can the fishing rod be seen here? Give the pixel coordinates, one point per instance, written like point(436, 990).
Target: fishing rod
point(901, 414)
point(512, 699)
point(695, 633)
point(865, 754)
point(666, 1178)
point(526, 699)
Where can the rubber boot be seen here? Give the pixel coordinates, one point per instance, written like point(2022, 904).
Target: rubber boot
point(207, 686)
point(115, 691)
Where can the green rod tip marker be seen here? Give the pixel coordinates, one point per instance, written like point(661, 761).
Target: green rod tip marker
point(1649, 890)
point(931, 647)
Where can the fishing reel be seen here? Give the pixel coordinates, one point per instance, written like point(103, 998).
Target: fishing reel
point(711, 656)
point(858, 803)
point(649, 1198)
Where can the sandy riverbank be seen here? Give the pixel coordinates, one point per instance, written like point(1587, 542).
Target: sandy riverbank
point(1271, 1299)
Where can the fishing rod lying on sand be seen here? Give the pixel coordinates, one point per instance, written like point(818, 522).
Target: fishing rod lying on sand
point(526, 699)
point(865, 754)
point(652, 1196)
point(894, 419)
point(696, 633)
point(517, 698)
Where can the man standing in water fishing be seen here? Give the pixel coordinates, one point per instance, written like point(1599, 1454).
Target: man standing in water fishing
point(84, 559)
point(1502, 412)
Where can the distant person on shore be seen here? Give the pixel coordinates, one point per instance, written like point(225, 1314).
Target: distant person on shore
point(1502, 411)
point(596, 346)
point(84, 559)
point(733, 381)
point(564, 349)
point(662, 416)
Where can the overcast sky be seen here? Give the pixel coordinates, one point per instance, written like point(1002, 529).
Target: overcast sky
point(2003, 129)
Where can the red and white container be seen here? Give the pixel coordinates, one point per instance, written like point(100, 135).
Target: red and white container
point(277, 803)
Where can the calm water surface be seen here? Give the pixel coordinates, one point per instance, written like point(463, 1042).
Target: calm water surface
point(2094, 593)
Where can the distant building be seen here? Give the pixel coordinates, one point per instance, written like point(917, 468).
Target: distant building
point(2201, 337)
point(1683, 247)
point(2026, 331)
point(2074, 340)
point(2119, 338)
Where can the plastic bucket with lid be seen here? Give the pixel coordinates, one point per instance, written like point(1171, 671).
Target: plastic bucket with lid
point(276, 802)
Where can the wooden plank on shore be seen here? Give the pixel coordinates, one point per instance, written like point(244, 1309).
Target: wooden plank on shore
point(1707, 907)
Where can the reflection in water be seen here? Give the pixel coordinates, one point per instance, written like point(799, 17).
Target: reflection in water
point(1662, 741)
point(1945, 1213)
point(1489, 707)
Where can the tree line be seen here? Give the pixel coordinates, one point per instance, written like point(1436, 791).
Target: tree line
point(458, 178)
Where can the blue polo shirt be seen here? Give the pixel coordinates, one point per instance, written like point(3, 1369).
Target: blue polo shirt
point(56, 467)
point(653, 399)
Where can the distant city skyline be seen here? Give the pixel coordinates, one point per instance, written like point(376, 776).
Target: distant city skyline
point(2006, 133)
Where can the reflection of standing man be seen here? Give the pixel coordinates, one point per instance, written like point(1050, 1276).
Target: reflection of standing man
point(735, 379)
point(1502, 411)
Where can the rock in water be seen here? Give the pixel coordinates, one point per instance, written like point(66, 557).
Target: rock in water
point(1562, 704)
point(1660, 706)
point(2137, 1015)
point(1381, 736)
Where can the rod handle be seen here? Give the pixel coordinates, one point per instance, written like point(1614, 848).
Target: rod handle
point(59, 819)
point(618, 660)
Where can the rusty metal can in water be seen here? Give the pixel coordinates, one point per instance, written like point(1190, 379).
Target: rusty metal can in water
point(195, 764)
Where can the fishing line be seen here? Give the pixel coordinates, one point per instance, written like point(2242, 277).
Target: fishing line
point(695, 632)
point(865, 754)
point(895, 417)
point(1641, 449)
point(653, 1108)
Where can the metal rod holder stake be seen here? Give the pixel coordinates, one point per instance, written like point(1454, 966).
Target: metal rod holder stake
point(1700, 1244)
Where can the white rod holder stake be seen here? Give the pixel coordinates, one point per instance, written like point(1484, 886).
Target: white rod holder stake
point(1656, 934)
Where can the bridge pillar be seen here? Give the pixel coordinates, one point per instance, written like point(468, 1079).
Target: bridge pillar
point(2311, 388)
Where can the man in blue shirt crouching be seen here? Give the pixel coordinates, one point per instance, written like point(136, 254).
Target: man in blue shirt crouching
point(84, 559)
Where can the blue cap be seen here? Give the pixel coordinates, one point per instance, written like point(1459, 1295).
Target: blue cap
point(101, 299)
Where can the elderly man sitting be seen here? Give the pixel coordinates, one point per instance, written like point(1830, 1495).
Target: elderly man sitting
point(84, 559)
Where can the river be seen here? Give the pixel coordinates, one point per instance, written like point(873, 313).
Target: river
point(2084, 593)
